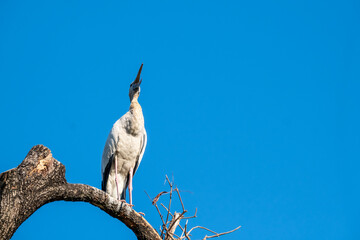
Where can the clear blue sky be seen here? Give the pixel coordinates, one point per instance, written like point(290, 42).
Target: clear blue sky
point(252, 106)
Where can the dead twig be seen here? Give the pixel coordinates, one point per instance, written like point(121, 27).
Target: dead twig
point(182, 204)
point(177, 220)
point(220, 234)
point(168, 227)
point(157, 197)
point(192, 216)
point(157, 208)
point(166, 209)
point(201, 228)
point(173, 224)
point(170, 198)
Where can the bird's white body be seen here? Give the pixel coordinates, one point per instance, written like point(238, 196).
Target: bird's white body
point(126, 143)
point(124, 147)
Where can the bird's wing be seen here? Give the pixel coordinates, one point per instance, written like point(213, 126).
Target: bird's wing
point(108, 156)
point(106, 172)
point(142, 150)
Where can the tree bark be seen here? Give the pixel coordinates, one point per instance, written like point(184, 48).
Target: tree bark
point(40, 179)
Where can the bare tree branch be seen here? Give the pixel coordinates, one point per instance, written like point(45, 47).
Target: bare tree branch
point(169, 227)
point(220, 234)
point(201, 228)
point(182, 204)
point(170, 198)
point(173, 225)
point(40, 179)
point(194, 216)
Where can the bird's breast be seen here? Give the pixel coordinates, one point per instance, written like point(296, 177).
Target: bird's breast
point(127, 153)
point(128, 147)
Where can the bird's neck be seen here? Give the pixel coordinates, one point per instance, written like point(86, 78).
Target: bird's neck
point(136, 117)
point(135, 107)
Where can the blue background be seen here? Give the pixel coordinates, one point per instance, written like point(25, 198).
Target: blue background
point(252, 107)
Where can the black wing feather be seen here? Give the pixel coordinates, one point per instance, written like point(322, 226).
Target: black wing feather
point(123, 194)
point(106, 177)
point(106, 173)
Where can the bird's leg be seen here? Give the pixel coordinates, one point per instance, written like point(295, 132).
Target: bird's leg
point(116, 179)
point(130, 185)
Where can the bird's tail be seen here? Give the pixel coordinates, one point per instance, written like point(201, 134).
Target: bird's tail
point(103, 185)
point(123, 193)
point(105, 175)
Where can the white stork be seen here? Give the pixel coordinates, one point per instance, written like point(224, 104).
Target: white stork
point(124, 147)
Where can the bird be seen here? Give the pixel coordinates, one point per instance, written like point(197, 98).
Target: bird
point(124, 148)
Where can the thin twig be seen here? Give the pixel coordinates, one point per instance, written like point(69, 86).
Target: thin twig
point(157, 208)
point(148, 196)
point(169, 208)
point(183, 229)
point(158, 196)
point(169, 227)
point(167, 179)
point(220, 234)
point(182, 204)
point(201, 228)
point(166, 209)
point(176, 235)
point(186, 234)
point(192, 216)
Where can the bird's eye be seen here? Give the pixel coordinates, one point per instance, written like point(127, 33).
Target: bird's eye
point(130, 85)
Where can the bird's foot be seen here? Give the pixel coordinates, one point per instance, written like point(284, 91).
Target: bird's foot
point(123, 201)
point(141, 213)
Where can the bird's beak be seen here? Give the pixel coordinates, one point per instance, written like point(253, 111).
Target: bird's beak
point(137, 80)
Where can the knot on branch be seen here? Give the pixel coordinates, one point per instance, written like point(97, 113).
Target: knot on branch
point(38, 157)
point(39, 164)
point(44, 160)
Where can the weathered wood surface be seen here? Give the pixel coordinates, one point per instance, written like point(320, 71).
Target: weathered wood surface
point(40, 179)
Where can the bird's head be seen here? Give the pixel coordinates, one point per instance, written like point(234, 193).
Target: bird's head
point(134, 90)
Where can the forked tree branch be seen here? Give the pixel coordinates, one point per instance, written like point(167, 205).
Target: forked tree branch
point(168, 227)
point(40, 179)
